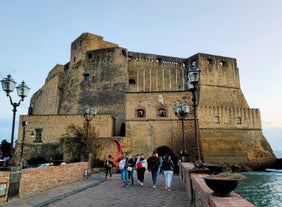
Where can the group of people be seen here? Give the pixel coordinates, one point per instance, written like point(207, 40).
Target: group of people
point(154, 164)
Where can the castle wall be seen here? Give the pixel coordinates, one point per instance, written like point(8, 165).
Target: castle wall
point(148, 72)
point(122, 84)
point(86, 42)
point(229, 117)
point(236, 146)
point(55, 127)
point(152, 130)
point(47, 99)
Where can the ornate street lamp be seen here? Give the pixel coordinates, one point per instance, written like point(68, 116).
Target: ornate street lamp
point(88, 114)
point(8, 85)
point(193, 80)
point(181, 112)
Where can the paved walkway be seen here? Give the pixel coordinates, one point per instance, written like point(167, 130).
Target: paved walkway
point(96, 191)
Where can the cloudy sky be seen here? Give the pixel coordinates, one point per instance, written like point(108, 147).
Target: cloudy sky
point(36, 35)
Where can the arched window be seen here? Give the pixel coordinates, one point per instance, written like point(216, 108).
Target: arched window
point(162, 112)
point(140, 112)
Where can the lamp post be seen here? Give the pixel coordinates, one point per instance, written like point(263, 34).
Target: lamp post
point(181, 112)
point(8, 85)
point(24, 124)
point(88, 114)
point(193, 80)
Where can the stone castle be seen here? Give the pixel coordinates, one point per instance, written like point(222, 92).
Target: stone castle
point(134, 94)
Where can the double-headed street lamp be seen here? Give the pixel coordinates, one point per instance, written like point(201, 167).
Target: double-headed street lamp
point(88, 114)
point(181, 111)
point(8, 85)
point(193, 80)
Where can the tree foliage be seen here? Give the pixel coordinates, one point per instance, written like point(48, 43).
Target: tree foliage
point(5, 147)
point(75, 142)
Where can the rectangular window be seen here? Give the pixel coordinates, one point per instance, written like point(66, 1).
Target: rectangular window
point(86, 77)
point(216, 119)
point(38, 135)
point(239, 120)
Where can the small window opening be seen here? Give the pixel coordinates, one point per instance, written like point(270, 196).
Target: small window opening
point(223, 63)
point(140, 113)
point(209, 61)
point(123, 52)
point(86, 76)
point(162, 112)
point(80, 42)
point(89, 56)
point(74, 59)
point(38, 135)
point(216, 119)
point(132, 81)
point(239, 120)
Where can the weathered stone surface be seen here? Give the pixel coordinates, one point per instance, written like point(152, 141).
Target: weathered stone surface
point(121, 82)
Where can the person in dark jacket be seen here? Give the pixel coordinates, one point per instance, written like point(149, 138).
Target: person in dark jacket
point(153, 167)
point(167, 167)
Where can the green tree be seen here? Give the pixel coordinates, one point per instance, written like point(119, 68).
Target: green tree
point(74, 142)
point(5, 147)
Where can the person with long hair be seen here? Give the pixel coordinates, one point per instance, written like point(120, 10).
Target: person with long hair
point(167, 167)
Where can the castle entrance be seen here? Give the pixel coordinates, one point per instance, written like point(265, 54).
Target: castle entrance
point(163, 150)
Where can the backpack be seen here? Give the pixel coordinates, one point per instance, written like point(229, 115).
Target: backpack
point(139, 164)
point(154, 163)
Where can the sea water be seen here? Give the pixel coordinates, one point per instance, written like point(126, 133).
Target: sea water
point(263, 189)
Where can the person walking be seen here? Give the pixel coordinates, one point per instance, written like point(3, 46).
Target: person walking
point(122, 169)
point(109, 167)
point(128, 166)
point(153, 167)
point(141, 166)
point(167, 167)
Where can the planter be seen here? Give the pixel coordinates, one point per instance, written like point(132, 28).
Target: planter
point(224, 183)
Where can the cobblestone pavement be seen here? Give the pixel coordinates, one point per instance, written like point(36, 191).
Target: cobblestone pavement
point(106, 193)
point(112, 193)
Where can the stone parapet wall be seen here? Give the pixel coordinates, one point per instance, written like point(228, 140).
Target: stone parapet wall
point(199, 194)
point(37, 180)
point(41, 179)
point(4, 182)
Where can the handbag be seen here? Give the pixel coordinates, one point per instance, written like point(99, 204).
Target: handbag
point(129, 168)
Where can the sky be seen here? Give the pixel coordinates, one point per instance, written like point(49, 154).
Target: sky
point(36, 35)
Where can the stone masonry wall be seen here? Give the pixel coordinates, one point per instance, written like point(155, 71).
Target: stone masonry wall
point(41, 179)
point(47, 99)
point(148, 72)
point(119, 83)
point(53, 129)
point(152, 130)
point(5, 181)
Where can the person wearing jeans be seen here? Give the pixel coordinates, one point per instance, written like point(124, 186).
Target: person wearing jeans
point(153, 166)
point(128, 166)
point(167, 167)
